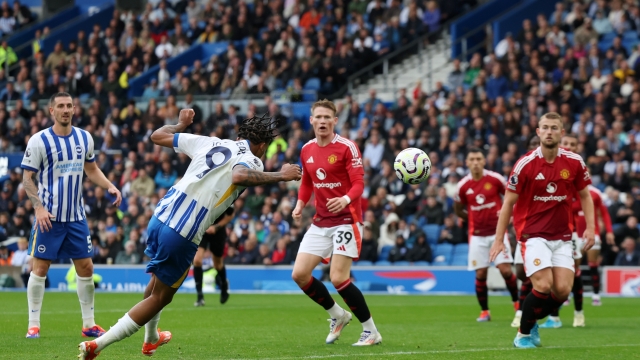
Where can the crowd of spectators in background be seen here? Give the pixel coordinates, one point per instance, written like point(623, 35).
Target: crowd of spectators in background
point(492, 102)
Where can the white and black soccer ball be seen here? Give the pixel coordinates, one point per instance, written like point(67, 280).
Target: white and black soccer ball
point(412, 166)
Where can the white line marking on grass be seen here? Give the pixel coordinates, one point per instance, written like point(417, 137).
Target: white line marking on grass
point(401, 353)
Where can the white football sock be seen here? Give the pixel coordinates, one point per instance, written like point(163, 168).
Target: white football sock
point(124, 328)
point(151, 329)
point(86, 290)
point(336, 311)
point(520, 335)
point(519, 313)
point(35, 294)
point(369, 325)
point(554, 318)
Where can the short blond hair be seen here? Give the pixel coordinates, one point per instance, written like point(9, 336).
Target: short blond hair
point(328, 104)
point(552, 116)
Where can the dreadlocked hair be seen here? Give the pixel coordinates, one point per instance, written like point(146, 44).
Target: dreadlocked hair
point(259, 130)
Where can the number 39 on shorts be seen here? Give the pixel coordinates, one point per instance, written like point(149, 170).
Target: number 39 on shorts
point(343, 236)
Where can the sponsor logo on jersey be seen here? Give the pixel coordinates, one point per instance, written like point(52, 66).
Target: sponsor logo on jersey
point(550, 198)
point(321, 174)
point(356, 162)
point(327, 185)
point(480, 199)
point(587, 176)
point(332, 159)
point(540, 176)
point(564, 173)
point(483, 206)
point(487, 186)
point(310, 160)
point(28, 153)
point(552, 187)
point(513, 180)
point(469, 192)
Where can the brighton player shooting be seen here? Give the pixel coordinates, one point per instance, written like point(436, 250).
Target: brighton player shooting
point(333, 166)
point(53, 164)
point(219, 172)
point(478, 201)
point(570, 142)
point(541, 187)
point(214, 239)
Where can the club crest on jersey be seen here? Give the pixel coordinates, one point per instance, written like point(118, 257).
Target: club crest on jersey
point(321, 174)
point(78, 150)
point(564, 173)
point(487, 186)
point(332, 159)
point(513, 180)
point(42, 248)
point(536, 262)
point(480, 199)
point(551, 188)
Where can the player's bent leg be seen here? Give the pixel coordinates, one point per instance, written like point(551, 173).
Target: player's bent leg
point(86, 295)
point(35, 294)
point(482, 294)
point(198, 275)
point(535, 307)
point(511, 281)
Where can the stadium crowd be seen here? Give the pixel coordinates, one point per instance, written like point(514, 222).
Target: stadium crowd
point(555, 64)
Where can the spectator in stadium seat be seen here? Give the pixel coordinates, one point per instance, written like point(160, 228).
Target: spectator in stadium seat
point(431, 16)
point(420, 251)
point(369, 249)
point(166, 177)
point(399, 250)
point(264, 255)
point(497, 85)
point(628, 257)
point(128, 256)
point(7, 23)
point(251, 253)
point(18, 227)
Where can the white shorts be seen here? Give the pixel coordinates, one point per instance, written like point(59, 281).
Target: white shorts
point(342, 239)
point(539, 254)
point(578, 245)
point(518, 255)
point(479, 248)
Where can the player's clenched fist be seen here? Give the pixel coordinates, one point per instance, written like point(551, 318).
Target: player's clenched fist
point(291, 172)
point(186, 116)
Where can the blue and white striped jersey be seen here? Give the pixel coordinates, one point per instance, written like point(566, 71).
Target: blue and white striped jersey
point(59, 163)
point(206, 189)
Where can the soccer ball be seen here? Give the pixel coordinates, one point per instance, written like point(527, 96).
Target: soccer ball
point(412, 166)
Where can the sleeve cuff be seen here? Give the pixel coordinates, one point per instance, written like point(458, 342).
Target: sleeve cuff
point(347, 198)
point(90, 160)
point(28, 168)
point(244, 164)
point(175, 140)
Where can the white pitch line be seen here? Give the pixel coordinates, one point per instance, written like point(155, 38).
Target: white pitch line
point(401, 353)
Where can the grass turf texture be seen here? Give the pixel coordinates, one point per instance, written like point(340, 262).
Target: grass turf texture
point(293, 327)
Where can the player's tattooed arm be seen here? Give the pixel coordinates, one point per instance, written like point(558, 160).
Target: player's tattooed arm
point(244, 176)
point(30, 183)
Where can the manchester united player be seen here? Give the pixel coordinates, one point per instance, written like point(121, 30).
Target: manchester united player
point(570, 142)
point(333, 166)
point(542, 186)
point(481, 193)
point(525, 286)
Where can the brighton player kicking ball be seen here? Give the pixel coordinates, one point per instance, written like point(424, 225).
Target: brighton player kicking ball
point(539, 193)
point(332, 169)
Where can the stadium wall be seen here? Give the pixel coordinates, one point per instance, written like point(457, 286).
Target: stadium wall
point(621, 280)
point(8, 162)
point(474, 19)
point(27, 35)
point(277, 279)
point(512, 20)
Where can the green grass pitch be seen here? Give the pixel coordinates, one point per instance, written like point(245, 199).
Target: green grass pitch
point(293, 327)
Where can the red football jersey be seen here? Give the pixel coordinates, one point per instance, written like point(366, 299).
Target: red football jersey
point(546, 193)
point(483, 199)
point(598, 204)
point(332, 171)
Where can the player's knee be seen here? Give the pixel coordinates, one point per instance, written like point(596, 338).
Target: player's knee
point(300, 278)
point(338, 279)
point(197, 262)
point(85, 269)
point(481, 274)
point(543, 287)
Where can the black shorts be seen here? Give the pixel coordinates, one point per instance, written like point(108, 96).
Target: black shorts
point(214, 242)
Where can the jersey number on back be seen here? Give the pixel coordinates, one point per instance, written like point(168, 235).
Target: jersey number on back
point(217, 152)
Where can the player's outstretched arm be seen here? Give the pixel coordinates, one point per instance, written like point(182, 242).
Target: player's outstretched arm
point(97, 177)
point(30, 183)
point(589, 217)
point(164, 136)
point(510, 199)
point(244, 176)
